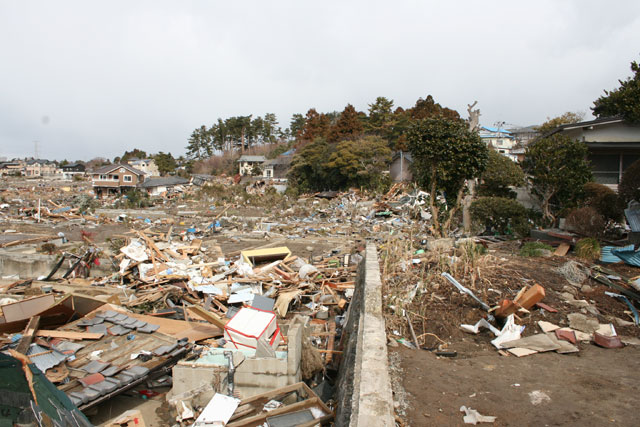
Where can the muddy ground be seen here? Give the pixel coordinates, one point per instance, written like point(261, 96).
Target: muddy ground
point(594, 387)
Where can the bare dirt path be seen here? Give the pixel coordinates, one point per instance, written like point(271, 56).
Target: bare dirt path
point(595, 387)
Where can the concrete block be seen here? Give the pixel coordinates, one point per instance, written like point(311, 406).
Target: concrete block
point(187, 377)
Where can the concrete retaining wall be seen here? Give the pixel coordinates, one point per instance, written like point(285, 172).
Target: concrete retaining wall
point(364, 386)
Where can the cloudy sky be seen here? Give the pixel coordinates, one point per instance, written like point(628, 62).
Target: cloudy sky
point(88, 79)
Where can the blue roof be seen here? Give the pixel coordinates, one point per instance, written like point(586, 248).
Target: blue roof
point(492, 129)
point(290, 152)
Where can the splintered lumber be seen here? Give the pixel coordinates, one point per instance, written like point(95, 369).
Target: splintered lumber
point(152, 245)
point(27, 335)
point(207, 315)
point(68, 334)
point(331, 342)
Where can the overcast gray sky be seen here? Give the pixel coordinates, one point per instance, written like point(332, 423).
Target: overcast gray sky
point(88, 79)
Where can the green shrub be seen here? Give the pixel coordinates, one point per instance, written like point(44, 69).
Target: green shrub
point(604, 200)
point(501, 174)
point(535, 249)
point(502, 214)
point(588, 249)
point(629, 188)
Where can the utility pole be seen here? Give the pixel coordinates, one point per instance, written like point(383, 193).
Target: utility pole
point(36, 155)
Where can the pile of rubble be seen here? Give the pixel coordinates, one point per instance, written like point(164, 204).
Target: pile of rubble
point(525, 305)
point(220, 329)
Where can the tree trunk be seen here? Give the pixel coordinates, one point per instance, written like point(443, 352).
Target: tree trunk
point(453, 210)
point(546, 210)
point(466, 207)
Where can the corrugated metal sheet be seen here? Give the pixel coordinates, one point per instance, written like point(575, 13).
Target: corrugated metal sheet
point(608, 257)
point(48, 358)
point(633, 218)
point(629, 257)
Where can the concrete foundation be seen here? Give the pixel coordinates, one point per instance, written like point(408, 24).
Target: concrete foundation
point(364, 386)
point(25, 263)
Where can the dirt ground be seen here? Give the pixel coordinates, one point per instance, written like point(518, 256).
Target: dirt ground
point(594, 387)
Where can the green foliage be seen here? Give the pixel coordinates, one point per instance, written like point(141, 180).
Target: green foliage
point(136, 198)
point(360, 163)
point(500, 174)
point(564, 119)
point(588, 249)
point(381, 118)
point(604, 200)
point(629, 188)
point(238, 132)
point(256, 170)
point(165, 162)
point(200, 144)
point(308, 171)
point(623, 101)
point(558, 169)
point(445, 154)
point(501, 214)
point(296, 125)
point(535, 249)
point(322, 166)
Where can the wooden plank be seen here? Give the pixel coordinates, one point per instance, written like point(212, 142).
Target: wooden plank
point(562, 249)
point(208, 316)
point(259, 419)
point(25, 241)
point(27, 335)
point(152, 245)
point(69, 334)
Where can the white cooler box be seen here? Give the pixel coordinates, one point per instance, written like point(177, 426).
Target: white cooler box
point(249, 325)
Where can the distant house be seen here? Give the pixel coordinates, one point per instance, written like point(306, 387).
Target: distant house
point(399, 170)
point(72, 169)
point(148, 166)
point(248, 163)
point(13, 168)
point(115, 179)
point(524, 135)
point(41, 168)
point(159, 186)
point(277, 168)
point(613, 143)
point(499, 139)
